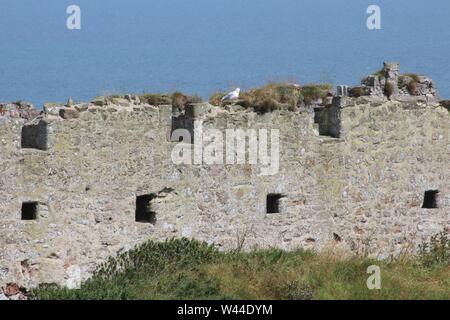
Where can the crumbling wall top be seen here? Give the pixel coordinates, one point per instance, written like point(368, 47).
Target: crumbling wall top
point(18, 110)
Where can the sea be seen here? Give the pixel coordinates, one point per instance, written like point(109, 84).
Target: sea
point(203, 46)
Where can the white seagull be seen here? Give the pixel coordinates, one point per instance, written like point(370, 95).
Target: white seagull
point(233, 95)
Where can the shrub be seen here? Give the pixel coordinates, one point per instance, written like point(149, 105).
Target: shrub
point(413, 76)
point(413, 87)
point(119, 276)
point(177, 99)
point(409, 81)
point(276, 96)
point(313, 92)
point(216, 98)
point(155, 256)
point(389, 89)
point(436, 251)
point(156, 99)
point(356, 92)
point(265, 106)
point(272, 96)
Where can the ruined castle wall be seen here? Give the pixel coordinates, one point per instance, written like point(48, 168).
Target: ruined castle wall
point(392, 154)
point(301, 222)
point(10, 192)
point(363, 189)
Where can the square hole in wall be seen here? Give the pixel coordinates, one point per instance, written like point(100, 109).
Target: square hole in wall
point(182, 129)
point(35, 136)
point(144, 211)
point(430, 199)
point(29, 210)
point(273, 202)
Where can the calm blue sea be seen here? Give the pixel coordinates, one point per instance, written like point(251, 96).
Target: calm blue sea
point(200, 46)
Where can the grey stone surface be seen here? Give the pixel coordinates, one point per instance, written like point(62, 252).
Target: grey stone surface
point(402, 86)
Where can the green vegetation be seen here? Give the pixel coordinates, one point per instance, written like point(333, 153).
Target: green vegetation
point(273, 96)
point(436, 252)
point(188, 269)
point(277, 96)
point(381, 74)
point(312, 92)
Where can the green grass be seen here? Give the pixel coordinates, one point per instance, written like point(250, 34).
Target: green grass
point(312, 92)
point(188, 269)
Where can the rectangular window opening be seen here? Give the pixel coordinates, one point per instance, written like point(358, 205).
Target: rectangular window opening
point(430, 199)
point(273, 202)
point(182, 127)
point(328, 119)
point(317, 114)
point(144, 211)
point(34, 136)
point(29, 210)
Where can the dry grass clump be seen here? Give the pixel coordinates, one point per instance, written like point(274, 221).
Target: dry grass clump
point(177, 99)
point(356, 92)
point(389, 89)
point(314, 92)
point(273, 96)
point(278, 96)
point(216, 98)
point(156, 99)
point(410, 81)
point(413, 76)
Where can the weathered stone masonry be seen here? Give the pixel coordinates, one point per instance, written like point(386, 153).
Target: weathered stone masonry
point(80, 183)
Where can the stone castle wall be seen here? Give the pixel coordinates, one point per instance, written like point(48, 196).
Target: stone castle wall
point(359, 183)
